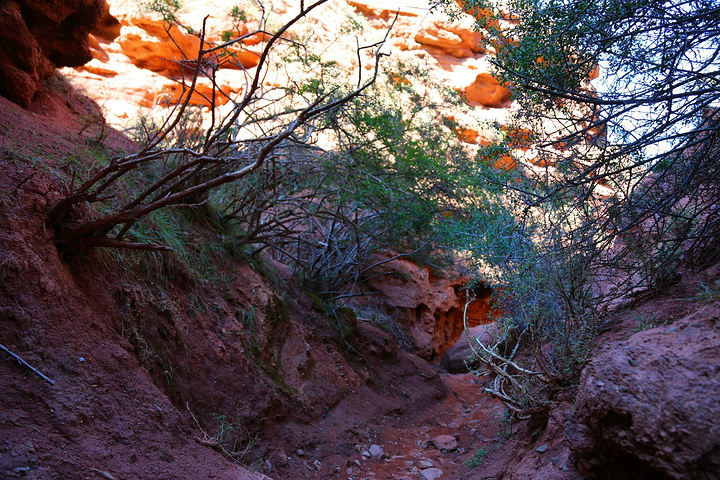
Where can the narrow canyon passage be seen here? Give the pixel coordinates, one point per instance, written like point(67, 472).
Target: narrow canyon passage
point(239, 240)
point(459, 436)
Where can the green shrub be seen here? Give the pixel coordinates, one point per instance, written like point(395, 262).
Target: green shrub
point(478, 458)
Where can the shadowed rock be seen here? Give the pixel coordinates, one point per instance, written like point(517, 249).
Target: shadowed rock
point(459, 357)
point(37, 36)
point(649, 407)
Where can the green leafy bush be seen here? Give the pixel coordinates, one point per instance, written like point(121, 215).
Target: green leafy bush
point(616, 194)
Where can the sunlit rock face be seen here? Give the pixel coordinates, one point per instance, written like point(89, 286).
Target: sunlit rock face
point(137, 60)
point(132, 61)
point(36, 36)
point(428, 306)
point(455, 51)
point(488, 92)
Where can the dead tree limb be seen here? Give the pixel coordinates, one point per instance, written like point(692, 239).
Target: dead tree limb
point(26, 364)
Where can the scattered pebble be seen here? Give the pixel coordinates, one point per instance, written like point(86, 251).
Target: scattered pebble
point(300, 452)
point(431, 474)
point(425, 464)
point(542, 449)
point(377, 452)
point(445, 443)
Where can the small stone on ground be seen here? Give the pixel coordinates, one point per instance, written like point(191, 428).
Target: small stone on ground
point(431, 474)
point(425, 464)
point(377, 452)
point(445, 442)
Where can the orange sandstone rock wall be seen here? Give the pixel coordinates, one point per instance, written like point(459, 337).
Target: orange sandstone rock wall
point(137, 61)
point(427, 305)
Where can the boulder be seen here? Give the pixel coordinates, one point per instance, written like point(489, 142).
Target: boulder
point(459, 40)
point(377, 452)
point(649, 407)
point(431, 474)
point(459, 357)
point(488, 92)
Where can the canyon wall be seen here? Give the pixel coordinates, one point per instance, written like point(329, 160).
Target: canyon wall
point(137, 61)
point(37, 36)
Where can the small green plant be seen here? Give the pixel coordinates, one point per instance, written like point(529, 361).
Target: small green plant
point(646, 322)
point(478, 458)
point(224, 429)
point(238, 14)
point(249, 317)
point(166, 8)
point(233, 439)
point(145, 352)
point(351, 25)
point(94, 123)
point(708, 292)
point(505, 424)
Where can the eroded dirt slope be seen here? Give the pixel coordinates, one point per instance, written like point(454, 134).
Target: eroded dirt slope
point(104, 416)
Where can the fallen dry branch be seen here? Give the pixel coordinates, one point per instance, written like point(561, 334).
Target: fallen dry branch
point(509, 384)
point(27, 365)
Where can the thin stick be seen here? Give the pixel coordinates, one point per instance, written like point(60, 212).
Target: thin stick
point(23, 362)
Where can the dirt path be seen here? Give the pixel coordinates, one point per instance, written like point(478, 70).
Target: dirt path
point(466, 415)
point(443, 436)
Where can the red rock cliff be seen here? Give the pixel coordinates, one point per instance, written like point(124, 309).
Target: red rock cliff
point(36, 36)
